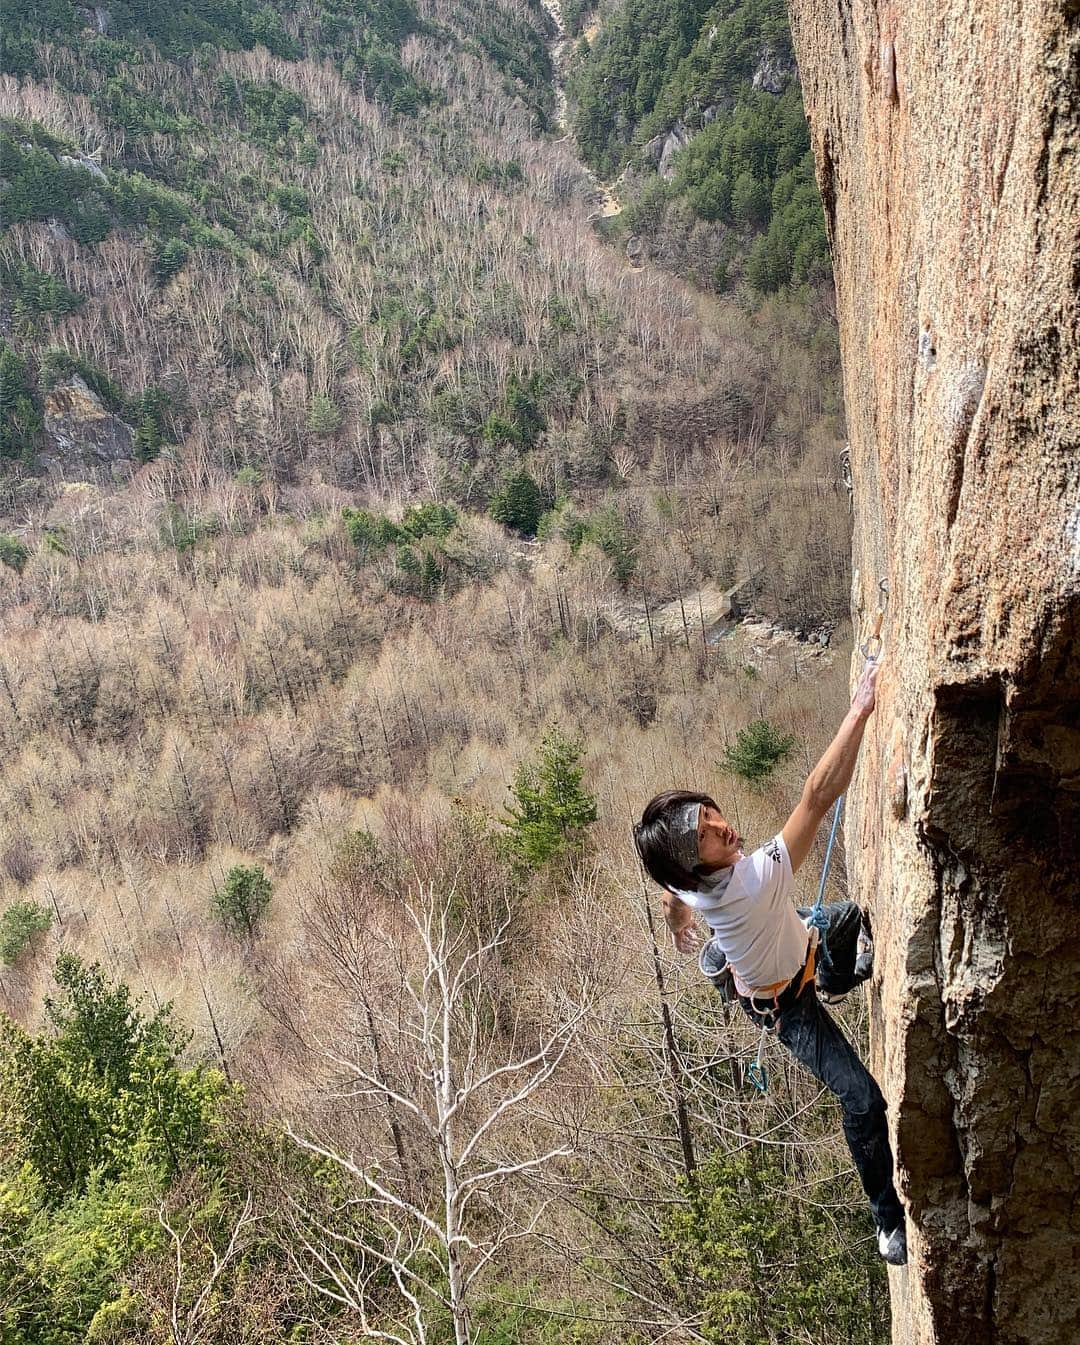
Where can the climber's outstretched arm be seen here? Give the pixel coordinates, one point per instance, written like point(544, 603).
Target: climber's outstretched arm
point(831, 776)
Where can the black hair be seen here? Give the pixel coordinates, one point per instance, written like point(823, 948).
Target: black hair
point(652, 836)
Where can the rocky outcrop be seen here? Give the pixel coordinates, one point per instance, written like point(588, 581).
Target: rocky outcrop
point(83, 433)
point(946, 138)
point(86, 162)
point(97, 17)
point(775, 71)
point(661, 149)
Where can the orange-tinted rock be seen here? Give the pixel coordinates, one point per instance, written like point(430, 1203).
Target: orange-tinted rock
point(947, 139)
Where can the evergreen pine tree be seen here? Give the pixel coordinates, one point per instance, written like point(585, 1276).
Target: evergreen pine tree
point(553, 807)
point(518, 504)
point(757, 751)
point(242, 899)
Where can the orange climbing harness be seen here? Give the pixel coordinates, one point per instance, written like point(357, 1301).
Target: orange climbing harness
point(774, 992)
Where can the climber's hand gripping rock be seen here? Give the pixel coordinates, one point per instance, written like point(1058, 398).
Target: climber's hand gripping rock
point(865, 695)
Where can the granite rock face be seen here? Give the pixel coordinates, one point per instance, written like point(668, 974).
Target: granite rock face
point(83, 434)
point(947, 140)
point(676, 139)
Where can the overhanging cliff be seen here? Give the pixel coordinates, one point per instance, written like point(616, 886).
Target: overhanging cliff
point(947, 140)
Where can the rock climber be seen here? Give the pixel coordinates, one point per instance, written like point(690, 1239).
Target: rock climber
point(759, 940)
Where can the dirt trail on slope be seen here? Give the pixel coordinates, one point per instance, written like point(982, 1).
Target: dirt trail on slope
point(607, 203)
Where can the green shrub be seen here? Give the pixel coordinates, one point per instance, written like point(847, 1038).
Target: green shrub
point(614, 538)
point(143, 203)
point(35, 293)
point(20, 421)
point(357, 343)
point(750, 200)
point(429, 520)
point(406, 101)
point(408, 562)
point(573, 528)
point(13, 552)
point(98, 1096)
point(604, 528)
point(523, 408)
point(754, 1259)
point(97, 1119)
point(711, 197)
point(291, 200)
point(369, 533)
point(646, 210)
point(241, 901)
point(420, 573)
point(560, 315)
point(757, 751)
point(18, 925)
point(381, 413)
point(498, 430)
point(148, 439)
point(169, 259)
point(272, 113)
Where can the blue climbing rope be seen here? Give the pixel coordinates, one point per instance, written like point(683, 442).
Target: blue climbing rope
point(756, 1072)
point(817, 919)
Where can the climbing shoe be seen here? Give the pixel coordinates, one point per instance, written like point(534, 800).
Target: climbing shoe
point(893, 1246)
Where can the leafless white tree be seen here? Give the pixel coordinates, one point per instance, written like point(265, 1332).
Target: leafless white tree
point(457, 1068)
point(190, 1316)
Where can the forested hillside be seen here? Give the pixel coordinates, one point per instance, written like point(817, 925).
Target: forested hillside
point(373, 541)
point(698, 106)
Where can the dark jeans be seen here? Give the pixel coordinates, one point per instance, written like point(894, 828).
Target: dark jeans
point(813, 1038)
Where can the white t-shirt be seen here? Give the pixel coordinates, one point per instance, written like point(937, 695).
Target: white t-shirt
point(749, 910)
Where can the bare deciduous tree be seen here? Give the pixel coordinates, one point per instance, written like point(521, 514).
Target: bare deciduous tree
point(459, 1067)
point(198, 1266)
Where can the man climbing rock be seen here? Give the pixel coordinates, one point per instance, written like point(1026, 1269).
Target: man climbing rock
point(759, 940)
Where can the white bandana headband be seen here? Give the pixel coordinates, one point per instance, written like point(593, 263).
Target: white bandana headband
point(684, 835)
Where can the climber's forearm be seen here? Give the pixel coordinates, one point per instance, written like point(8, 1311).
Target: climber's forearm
point(832, 775)
point(679, 919)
